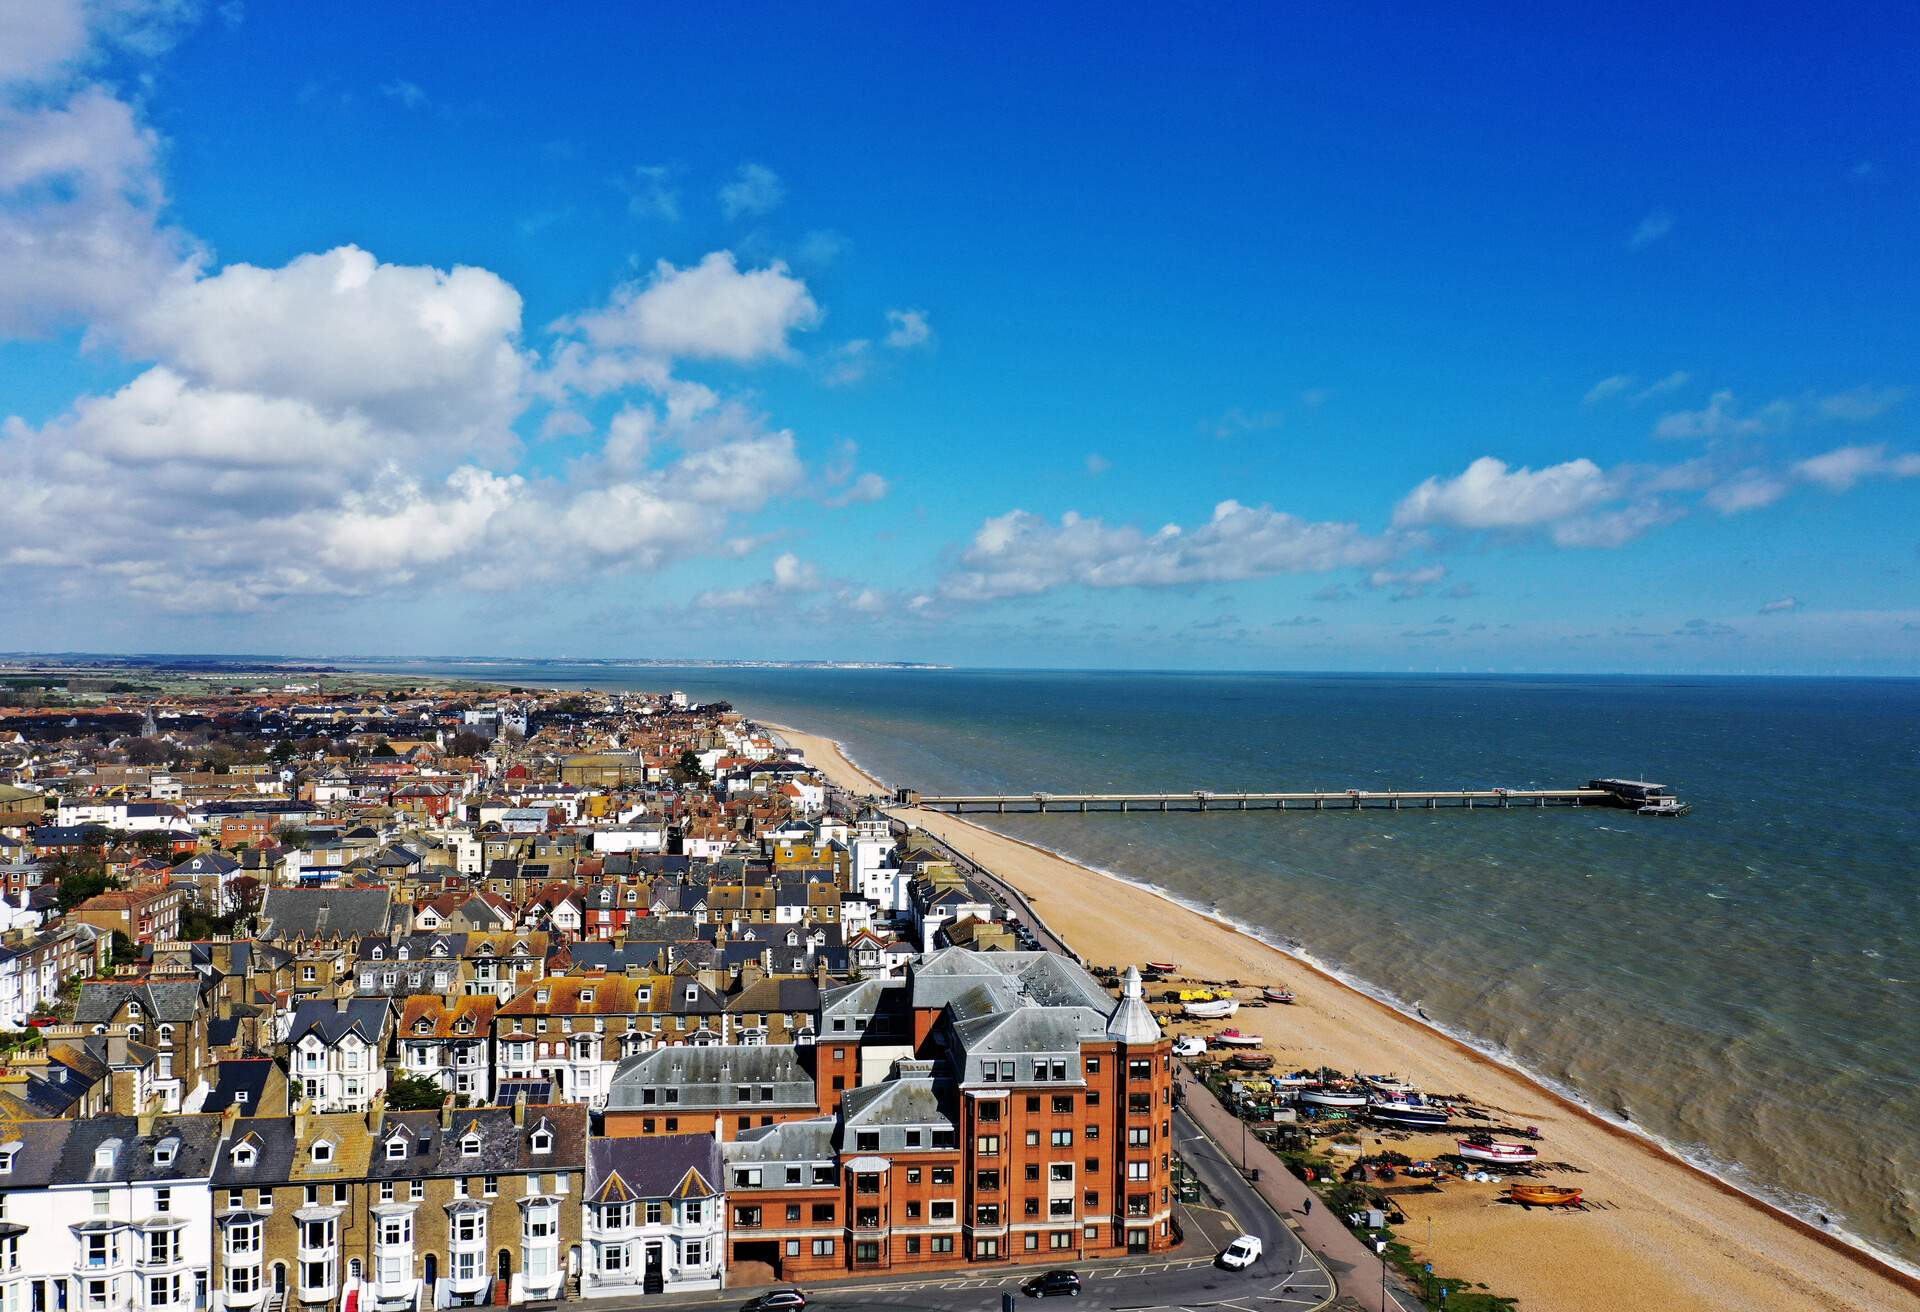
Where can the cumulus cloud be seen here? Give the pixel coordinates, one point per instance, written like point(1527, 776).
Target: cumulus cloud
point(1780, 606)
point(1489, 494)
point(755, 189)
point(413, 348)
point(1723, 417)
point(1607, 388)
point(907, 329)
point(1021, 554)
point(1750, 489)
point(708, 311)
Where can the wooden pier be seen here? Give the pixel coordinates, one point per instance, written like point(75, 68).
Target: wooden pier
point(1601, 792)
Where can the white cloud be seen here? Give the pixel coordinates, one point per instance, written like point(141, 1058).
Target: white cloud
point(1607, 388)
point(1237, 421)
point(40, 37)
point(708, 311)
point(1020, 554)
point(1650, 230)
point(907, 329)
point(847, 363)
point(1491, 495)
point(1610, 529)
point(1750, 489)
point(864, 488)
point(1839, 469)
point(414, 348)
point(1780, 606)
point(792, 574)
point(81, 237)
point(755, 189)
point(1097, 464)
point(1722, 417)
point(1673, 382)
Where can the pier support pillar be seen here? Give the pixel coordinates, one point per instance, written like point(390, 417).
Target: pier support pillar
point(1001, 807)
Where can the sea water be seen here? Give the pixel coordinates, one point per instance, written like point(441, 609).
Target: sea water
point(1742, 983)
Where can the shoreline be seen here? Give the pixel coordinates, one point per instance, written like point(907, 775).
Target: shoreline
point(1494, 1261)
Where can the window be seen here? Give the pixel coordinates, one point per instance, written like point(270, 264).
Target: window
point(1138, 1170)
point(322, 1152)
point(987, 1145)
point(396, 1149)
point(746, 1216)
point(470, 1145)
point(1033, 1104)
point(386, 1191)
point(1006, 1071)
point(1060, 1172)
point(943, 1175)
point(987, 1214)
point(416, 1190)
point(541, 1141)
point(243, 1279)
point(943, 1243)
point(986, 1180)
point(162, 1249)
point(163, 1291)
point(613, 1259)
point(986, 1248)
point(913, 1175)
point(469, 1227)
point(1062, 1138)
point(396, 1230)
point(1061, 1239)
point(163, 1200)
point(1033, 1138)
point(988, 1113)
point(1139, 1069)
point(490, 1186)
point(823, 1213)
point(1140, 1137)
point(940, 1210)
point(823, 1248)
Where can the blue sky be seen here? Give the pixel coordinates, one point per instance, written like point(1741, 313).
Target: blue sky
point(1099, 336)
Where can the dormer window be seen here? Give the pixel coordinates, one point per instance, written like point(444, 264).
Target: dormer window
point(693, 992)
point(586, 995)
point(541, 995)
point(470, 1146)
point(379, 954)
point(404, 954)
point(242, 1154)
point(165, 1151)
point(7, 1152)
point(424, 1026)
point(397, 1149)
point(322, 1152)
point(104, 1154)
point(540, 1141)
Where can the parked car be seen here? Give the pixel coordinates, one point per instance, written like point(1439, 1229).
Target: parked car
point(1241, 1253)
point(1051, 1284)
point(776, 1300)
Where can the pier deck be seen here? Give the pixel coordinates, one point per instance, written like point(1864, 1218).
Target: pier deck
point(1599, 793)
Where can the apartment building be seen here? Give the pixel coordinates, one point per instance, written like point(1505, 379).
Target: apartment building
point(337, 1051)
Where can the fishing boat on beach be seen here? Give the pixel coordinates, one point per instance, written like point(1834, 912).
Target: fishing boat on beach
point(1543, 1195)
point(1273, 993)
point(1407, 1111)
point(1482, 1148)
point(1164, 967)
point(1333, 1093)
point(1249, 1061)
point(1233, 1038)
point(1212, 1009)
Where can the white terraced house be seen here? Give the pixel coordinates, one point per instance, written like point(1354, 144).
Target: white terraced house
point(655, 1216)
point(111, 1214)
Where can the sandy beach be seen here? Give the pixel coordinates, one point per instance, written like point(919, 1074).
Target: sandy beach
point(1660, 1234)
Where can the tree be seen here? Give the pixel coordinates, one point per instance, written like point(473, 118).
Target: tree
point(283, 752)
point(246, 892)
point(124, 952)
point(467, 743)
point(148, 751)
point(79, 876)
point(687, 769)
point(153, 842)
point(414, 1093)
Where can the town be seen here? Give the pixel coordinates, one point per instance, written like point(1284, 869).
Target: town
point(419, 996)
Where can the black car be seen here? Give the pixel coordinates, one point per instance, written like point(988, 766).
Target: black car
point(1051, 1284)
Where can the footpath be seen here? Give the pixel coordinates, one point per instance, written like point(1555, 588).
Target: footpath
point(1356, 1269)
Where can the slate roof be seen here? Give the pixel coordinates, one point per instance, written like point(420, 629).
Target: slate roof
point(168, 1001)
point(236, 1077)
point(325, 912)
point(707, 1076)
point(662, 1166)
point(437, 1150)
point(811, 1140)
point(138, 1157)
point(333, 1022)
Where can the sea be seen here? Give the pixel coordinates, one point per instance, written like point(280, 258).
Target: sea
point(1741, 984)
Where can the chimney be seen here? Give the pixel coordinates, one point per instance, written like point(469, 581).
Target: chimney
point(340, 1004)
point(520, 1108)
point(376, 1110)
point(446, 1114)
point(143, 1123)
point(300, 1121)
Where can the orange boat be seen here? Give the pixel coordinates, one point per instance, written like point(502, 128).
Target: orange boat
point(1543, 1195)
